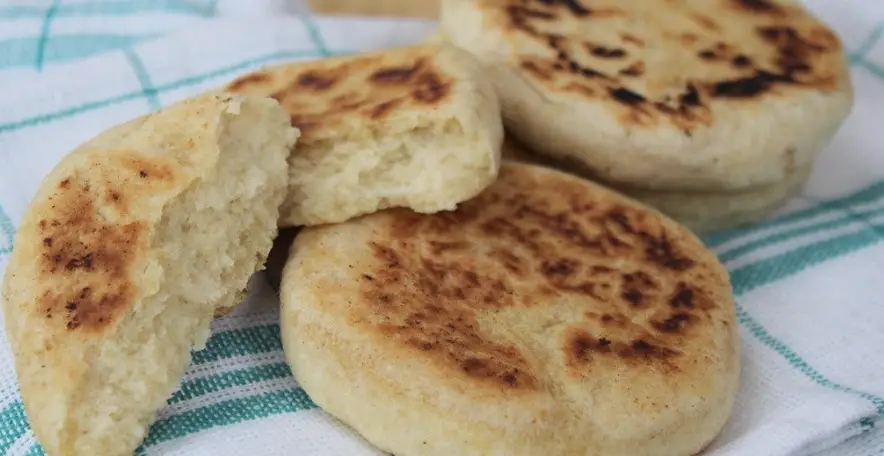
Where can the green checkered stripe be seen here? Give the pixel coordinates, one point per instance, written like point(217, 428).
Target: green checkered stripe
point(43, 46)
point(262, 340)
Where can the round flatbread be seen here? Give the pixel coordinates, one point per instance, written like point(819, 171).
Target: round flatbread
point(548, 315)
point(663, 94)
point(130, 246)
point(701, 212)
point(709, 212)
point(416, 127)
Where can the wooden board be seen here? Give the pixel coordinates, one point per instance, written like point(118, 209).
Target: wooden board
point(392, 8)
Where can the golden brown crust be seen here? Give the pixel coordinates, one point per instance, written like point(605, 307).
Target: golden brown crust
point(751, 50)
point(430, 305)
point(90, 236)
point(322, 95)
point(539, 316)
point(428, 291)
point(87, 261)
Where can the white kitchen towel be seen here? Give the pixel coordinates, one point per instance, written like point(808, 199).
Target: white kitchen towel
point(38, 34)
point(808, 281)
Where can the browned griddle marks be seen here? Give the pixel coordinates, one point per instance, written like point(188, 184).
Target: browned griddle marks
point(794, 64)
point(254, 78)
point(582, 347)
point(517, 246)
point(315, 81)
point(86, 259)
point(750, 86)
point(321, 95)
point(425, 298)
point(759, 6)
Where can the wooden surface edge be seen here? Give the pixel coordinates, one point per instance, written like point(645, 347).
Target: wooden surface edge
point(392, 8)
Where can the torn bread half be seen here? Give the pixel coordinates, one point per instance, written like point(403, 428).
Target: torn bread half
point(416, 127)
point(129, 247)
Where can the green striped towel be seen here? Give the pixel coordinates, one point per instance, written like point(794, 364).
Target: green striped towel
point(807, 281)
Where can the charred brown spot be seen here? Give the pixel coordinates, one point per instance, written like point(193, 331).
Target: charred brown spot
point(581, 347)
point(88, 259)
point(582, 344)
point(613, 320)
point(573, 66)
point(674, 324)
point(708, 54)
point(747, 87)
point(435, 310)
point(683, 297)
point(636, 69)
point(509, 260)
point(64, 183)
point(155, 171)
point(430, 88)
point(688, 38)
point(705, 22)
point(396, 75)
point(535, 69)
point(626, 96)
point(558, 268)
point(575, 7)
point(606, 52)
point(316, 81)
point(633, 296)
point(632, 39)
point(742, 61)
point(661, 251)
point(535, 14)
point(440, 247)
point(254, 78)
point(794, 52)
point(590, 73)
point(690, 97)
point(643, 349)
point(84, 262)
point(758, 6)
point(637, 287)
point(384, 108)
point(554, 40)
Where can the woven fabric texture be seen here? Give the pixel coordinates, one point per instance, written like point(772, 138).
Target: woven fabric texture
point(808, 280)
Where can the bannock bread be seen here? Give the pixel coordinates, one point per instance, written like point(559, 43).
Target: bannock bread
point(663, 94)
point(548, 315)
point(703, 212)
point(708, 212)
point(415, 127)
point(130, 245)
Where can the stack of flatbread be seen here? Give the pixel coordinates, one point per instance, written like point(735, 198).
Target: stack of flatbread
point(485, 244)
point(711, 111)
